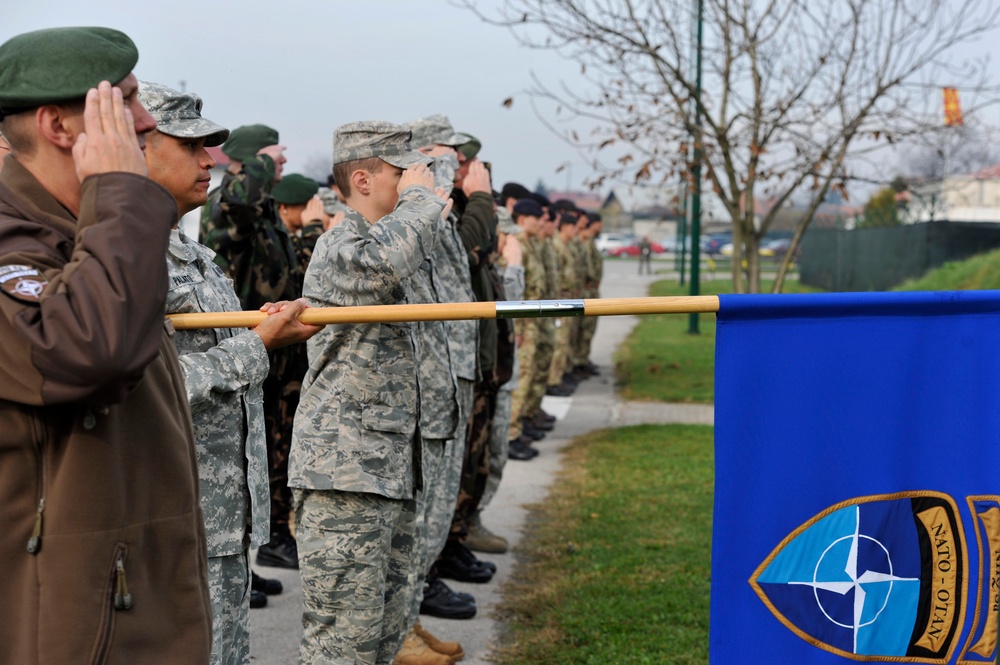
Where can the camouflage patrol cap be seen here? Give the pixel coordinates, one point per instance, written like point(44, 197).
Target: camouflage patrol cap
point(178, 114)
point(294, 189)
point(436, 130)
point(60, 65)
point(375, 138)
point(470, 148)
point(505, 223)
point(246, 141)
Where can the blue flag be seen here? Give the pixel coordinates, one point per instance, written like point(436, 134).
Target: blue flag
point(857, 484)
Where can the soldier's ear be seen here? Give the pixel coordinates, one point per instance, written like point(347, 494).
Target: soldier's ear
point(361, 182)
point(58, 125)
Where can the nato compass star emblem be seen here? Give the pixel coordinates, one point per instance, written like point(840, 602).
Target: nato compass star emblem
point(872, 579)
point(23, 283)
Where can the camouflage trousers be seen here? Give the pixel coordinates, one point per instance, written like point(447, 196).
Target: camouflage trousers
point(561, 354)
point(587, 331)
point(527, 332)
point(584, 334)
point(358, 564)
point(229, 590)
point(476, 459)
point(543, 361)
point(435, 505)
point(499, 441)
point(281, 397)
point(441, 490)
point(576, 352)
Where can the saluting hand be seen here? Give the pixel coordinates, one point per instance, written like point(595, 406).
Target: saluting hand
point(512, 251)
point(418, 174)
point(108, 142)
point(314, 212)
point(477, 179)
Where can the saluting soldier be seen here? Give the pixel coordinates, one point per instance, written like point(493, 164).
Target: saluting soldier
point(355, 460)
point(240, 222)
point(570, 287)
point(302, 212)
point(529, 216)
point(104, 547)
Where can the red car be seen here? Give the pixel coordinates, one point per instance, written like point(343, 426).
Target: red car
point(633, 250)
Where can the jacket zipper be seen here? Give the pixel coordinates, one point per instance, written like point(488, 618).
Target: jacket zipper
point(35, 541)
point(117, 598)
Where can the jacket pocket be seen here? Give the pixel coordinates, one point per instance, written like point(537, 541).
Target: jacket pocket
point(38, 431)
point(116, 597)
point(387, 418)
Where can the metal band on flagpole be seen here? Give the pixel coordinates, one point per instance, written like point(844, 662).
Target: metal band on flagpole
point(512, 309)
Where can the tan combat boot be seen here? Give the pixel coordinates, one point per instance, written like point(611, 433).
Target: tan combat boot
point(481, 539)
point(451, 649)
point(416, 652)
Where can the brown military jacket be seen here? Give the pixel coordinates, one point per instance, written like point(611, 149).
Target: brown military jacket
point(103, 547)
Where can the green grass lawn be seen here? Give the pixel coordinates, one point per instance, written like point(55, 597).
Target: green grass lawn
point(616, 563)
point(661, 361)
point(979, 272)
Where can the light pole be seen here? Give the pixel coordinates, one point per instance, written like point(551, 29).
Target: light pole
point(696, 173)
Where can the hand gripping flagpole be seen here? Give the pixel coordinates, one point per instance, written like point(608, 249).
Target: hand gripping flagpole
point(511, 309)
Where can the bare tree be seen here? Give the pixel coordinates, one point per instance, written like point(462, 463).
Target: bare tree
point(318, 166)
point(793, 91)
point(950, 150)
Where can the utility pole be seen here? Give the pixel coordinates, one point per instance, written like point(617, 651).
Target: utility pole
point(680, 252)
point(696, 173)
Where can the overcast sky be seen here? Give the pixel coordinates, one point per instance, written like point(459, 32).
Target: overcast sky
point(307, 66)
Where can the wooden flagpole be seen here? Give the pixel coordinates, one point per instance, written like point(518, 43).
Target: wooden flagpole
point(512, 309)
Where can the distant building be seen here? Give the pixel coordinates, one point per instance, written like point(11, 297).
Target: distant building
point(967, 197)
point(589, 201)
point(655, 211)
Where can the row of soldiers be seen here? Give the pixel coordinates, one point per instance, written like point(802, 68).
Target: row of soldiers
point(560, 261)
point(188, 447)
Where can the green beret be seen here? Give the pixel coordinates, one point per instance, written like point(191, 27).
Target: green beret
point(60, 65)
point(246, 141)
point(294, 189)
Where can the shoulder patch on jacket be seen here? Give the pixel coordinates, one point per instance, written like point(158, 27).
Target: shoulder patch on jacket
point(22, 283)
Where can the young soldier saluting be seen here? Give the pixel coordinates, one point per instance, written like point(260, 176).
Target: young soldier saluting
point(354, 464)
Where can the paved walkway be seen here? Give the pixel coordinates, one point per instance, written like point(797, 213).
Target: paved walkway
point(275, 630)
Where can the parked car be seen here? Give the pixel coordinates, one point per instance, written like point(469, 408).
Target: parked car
point(670, 244)
point(608, 241)
point(712, 244)
point(776, 248)
point(633, 250)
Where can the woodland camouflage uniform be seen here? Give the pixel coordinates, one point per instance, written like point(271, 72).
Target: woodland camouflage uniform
point(240, 223)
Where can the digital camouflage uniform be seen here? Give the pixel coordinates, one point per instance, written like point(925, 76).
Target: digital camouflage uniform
point(441, 424)
point(546, 341)
point(569, 287)
point(513, 285)
point(223, 371)
point(527, 330)
point(355, 460)
point(240, 223)
point(331, 203)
